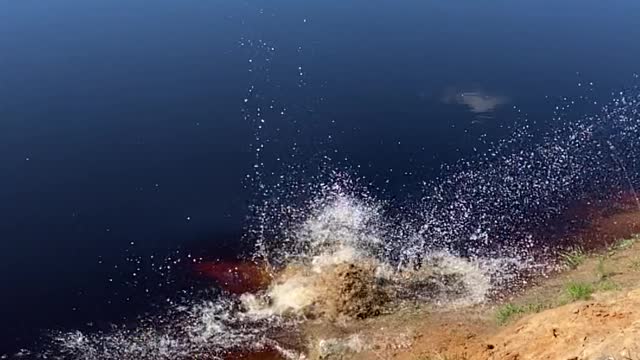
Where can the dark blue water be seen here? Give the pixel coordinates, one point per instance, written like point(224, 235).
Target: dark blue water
point(124, 131)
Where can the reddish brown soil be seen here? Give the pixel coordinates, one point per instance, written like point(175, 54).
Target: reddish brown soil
point(595, 225)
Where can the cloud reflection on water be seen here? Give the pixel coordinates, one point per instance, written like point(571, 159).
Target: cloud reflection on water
point(478, 101)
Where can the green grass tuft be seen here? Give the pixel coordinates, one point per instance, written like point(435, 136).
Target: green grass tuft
point(621, 244)
point(625, 243)
point(579, 291)
point(509, 311)
point(607, 285)
point(635, 265)
point(573, 257)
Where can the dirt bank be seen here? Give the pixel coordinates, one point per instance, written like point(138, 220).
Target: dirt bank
point(590, 310)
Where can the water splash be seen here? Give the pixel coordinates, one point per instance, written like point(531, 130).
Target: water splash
point(346, 238)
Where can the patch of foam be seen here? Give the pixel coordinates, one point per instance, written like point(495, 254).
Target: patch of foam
point(299, 286)
point(474, 280)
point(290, 296)
point(211, 329)
point(335, 347)
point(344, 254)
